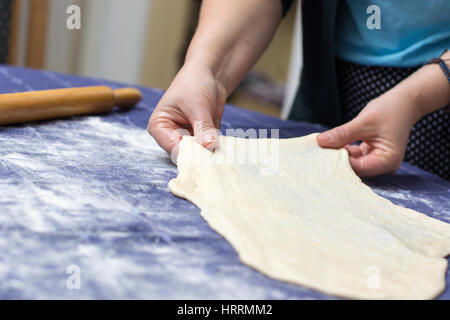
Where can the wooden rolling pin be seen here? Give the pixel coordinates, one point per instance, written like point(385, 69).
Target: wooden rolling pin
point(59, 103)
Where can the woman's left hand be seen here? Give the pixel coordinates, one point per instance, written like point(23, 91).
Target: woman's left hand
point(383, 126)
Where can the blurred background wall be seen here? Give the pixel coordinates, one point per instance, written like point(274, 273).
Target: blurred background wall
point(140, 42)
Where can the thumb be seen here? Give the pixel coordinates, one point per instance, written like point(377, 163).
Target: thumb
point(340, 136)
point(204, 130)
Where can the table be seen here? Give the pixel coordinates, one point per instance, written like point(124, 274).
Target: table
point(86, 198)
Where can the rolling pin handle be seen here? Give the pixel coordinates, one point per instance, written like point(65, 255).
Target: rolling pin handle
point(127, 97)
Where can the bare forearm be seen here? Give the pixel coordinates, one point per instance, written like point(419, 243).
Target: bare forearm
point(428, 89)
point(231, 36)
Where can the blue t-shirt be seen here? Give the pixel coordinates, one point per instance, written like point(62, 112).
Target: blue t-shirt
point(410, 32)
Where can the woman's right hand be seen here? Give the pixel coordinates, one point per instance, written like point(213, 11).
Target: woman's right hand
point(193, 104)
point(228, 41)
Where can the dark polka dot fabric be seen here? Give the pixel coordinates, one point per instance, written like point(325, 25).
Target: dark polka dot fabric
point(5, 14)
point(429, 142)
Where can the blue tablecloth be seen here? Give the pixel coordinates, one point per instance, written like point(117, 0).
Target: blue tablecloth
point(88, 197)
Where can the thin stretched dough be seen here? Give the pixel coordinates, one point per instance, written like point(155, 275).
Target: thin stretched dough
point(312, 221)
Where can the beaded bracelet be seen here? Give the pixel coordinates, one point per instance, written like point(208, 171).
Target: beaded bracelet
point(441, 62)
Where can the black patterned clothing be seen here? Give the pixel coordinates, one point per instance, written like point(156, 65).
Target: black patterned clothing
point(5, 15)
point(429, 142)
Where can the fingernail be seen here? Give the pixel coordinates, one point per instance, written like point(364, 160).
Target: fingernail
point(326, 137)
point(209, 142)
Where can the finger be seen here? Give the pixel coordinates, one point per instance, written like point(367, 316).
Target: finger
point(372, 164)
point(174, 153)
point(365, 148)
point(342, 135)
point(205, 131)
point(218, 117)
point(353, 151)
point(166, 132)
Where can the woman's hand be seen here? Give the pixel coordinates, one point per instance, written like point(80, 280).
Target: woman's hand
point(193, 104)
point(229, 39)
point(383, 126)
